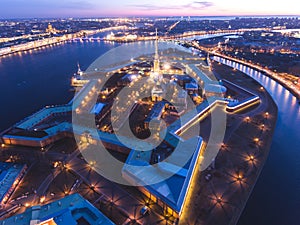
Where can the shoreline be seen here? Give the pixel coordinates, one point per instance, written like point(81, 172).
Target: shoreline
point(272, 107)
point(264, 159)
point(233, 159)
point(42, 43)
point(260, 69)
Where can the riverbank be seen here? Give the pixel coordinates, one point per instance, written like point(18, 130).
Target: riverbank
point(40, 44)
point(258, 124)
point(293, 88)
point(42, 77)
point(222, 191)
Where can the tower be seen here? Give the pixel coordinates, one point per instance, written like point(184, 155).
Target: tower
point(156, 66)
point(158, 91)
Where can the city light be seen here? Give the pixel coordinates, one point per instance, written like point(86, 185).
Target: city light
point(42, 199)
point(167, 66)
point(247, 119)
point(256, 140)
point(170, 93)
point(266, 115)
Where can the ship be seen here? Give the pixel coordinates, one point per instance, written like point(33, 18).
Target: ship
point(78, 79)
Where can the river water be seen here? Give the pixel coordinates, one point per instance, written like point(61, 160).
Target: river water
point(31, 80)
point(275, 199)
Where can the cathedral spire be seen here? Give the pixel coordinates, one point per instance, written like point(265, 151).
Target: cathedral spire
point(156, 68)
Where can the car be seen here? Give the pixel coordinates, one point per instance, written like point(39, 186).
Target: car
point(144, 210)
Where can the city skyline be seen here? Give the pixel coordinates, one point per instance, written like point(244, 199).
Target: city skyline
point(118, 8)
point(149, 119)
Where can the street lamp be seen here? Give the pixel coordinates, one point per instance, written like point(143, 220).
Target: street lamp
point(239, 178)
point(247, 119)
point(256, 140)
point(219, 200)
point(266, 115)
point(42, 199)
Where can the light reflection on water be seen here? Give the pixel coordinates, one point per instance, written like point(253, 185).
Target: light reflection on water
point(276, 196)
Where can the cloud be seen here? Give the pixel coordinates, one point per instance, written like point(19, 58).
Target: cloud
point(202, 4)
point(195, 5)
point(80, 4)
point(48, 4)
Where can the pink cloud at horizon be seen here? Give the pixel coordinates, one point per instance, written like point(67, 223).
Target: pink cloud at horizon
point(96, 8)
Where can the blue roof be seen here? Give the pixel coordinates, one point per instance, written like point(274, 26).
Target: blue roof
point(156, 111)
point(9, 172)
point(174, 189)
point(97, 108)
point(65, 211)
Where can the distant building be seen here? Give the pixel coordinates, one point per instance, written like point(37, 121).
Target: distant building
point(71, 210)
point(51, 29)
point(155, 115)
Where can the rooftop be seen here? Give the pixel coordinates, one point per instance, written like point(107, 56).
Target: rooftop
point(9, 173)
point(66, 211)
point(171, 189)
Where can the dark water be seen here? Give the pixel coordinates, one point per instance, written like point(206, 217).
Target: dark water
point(276, 196)
point(29, 81)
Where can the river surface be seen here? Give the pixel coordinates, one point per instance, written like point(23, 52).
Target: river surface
point(31, 80)
point(275, 199)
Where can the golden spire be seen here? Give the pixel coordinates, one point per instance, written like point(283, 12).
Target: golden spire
point(156, 68)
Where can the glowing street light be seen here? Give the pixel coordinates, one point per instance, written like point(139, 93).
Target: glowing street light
point(223, 145)
point(219, 200)
point(247, 119)
point(42, 199)
point(267, 115)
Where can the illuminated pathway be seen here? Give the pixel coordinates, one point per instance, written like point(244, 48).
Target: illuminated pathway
point(241, 65)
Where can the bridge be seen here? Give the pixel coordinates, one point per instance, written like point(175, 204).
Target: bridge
point(89, 39)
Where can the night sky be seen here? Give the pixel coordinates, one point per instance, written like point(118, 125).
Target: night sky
point(98, 8)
